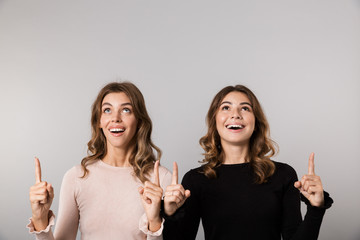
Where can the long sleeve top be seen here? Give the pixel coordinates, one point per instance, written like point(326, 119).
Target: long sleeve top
point(104, 205)
point(232, 206)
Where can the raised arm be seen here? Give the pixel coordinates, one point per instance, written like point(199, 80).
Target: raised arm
point(311, 186)
point(68, 213)
point(317, 201)
point(41, 197)
point(151, 195)
point(184, 223)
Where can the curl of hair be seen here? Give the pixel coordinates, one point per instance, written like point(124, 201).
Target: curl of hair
point(261, 147)
point(142, 157)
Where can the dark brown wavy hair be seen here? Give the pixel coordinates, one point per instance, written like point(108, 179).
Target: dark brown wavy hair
point(261, 147)
point(142, 157)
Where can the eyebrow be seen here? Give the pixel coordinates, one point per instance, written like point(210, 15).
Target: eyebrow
point(242, 103)
point(109, 104)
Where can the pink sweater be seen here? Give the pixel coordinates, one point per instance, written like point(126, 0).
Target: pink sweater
point(105, 205)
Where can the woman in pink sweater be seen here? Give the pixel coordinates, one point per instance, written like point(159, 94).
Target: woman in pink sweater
point(116, 191)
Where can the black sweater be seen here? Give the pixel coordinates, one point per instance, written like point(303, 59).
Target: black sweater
point(232, 206)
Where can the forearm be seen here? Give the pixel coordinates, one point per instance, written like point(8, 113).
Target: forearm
point(309, 228)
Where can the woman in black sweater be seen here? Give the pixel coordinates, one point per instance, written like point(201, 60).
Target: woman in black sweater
point(239, 192)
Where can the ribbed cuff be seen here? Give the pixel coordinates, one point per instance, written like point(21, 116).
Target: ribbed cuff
point(43, 234)
point(144, 227)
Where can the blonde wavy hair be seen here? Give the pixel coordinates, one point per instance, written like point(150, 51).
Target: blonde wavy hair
point(142, 157)
point(261, 147)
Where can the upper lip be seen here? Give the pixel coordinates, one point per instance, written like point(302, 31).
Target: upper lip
point(116, 128)
point(235, 125)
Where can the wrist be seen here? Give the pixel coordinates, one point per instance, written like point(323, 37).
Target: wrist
point(318, 204)
point(35, 218)
point(40, 224)
point(168, 213)
point(155, 224)
point(42, 221)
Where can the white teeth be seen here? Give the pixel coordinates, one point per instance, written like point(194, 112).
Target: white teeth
point(117, 130)
point(235, 126)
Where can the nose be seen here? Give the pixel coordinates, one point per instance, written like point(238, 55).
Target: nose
point(236, 114)
point(116, 117)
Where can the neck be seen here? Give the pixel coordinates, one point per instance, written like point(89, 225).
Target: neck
point(118, 157)
point(235, 154)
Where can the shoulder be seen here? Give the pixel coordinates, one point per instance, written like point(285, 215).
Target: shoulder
point(283, 167)
point(194, 176)
point(163, 171)
point(74, 172)
point(195, 172)
point(195, 181)
point(284, 171)
point(71, 180)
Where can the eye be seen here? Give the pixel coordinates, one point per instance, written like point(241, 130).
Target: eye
point(225, 108)
point(126, 110)
point(245, 109)
point(106, 110)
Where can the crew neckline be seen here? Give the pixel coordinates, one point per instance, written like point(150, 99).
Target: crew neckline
point(104, 164)
point(235, 164)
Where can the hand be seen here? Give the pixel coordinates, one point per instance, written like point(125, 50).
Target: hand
point(310, 185)
point(151, 195)
point(175, 194)
point(41, 197)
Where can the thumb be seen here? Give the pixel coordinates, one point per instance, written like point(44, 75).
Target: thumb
point(187, 193)
point(141, 190)
point(297, 184)
point(143, 197)
point(50, 190)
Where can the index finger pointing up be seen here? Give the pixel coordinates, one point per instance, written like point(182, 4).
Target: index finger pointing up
point(156, 173)
point(174, 179)
point(311, 170)
point(37, 170)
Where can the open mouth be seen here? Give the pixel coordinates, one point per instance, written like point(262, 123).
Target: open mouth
point(117, 130)
point(235, 127)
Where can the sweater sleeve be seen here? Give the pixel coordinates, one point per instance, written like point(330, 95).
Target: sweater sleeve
point(165, 180)
point(68, 214)
point(293, 227)
point(143, 226)
point(184, 223)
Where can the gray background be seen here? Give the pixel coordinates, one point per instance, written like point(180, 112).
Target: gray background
point(301, 58)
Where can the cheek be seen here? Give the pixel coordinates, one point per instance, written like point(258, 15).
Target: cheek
point(219, 123)
point(252, 120)
point(102, 122)
point(131, 122)
point(220, 118)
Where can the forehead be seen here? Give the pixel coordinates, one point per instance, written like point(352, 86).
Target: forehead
point(116, 97)
point(236, 97)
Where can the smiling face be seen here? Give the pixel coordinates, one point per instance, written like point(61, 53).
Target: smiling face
point(235, 120)
point(118, 121)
